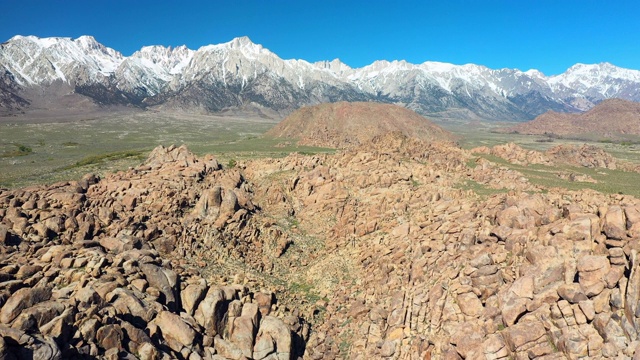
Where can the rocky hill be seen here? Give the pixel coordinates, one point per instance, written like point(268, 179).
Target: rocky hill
point(56, 73)
point(371, 253)
point(342, 125)
point(612, 119)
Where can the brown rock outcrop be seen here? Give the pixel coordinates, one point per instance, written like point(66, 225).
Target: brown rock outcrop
point(349, 124)
point(372, 252)
point(612, 118)
point(99, 286)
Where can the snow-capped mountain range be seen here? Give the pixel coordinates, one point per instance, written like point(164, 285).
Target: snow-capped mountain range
point(36, 72)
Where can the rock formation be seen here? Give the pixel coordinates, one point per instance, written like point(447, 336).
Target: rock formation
point(105, 268)
point(349, 124)
point(589, 156)
point(372, 252)
point(610, 119)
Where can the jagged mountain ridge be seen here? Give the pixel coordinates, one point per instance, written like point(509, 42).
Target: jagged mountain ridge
point(240, 74)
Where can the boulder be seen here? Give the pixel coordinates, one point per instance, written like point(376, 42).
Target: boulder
point(264, 301)
point(632, 214)
point(174, 328)
point(44, 348)
point(60, 327)
point(209, 203)
point(191, 297)
point(275, 329)
point(519, 335)
point(512, 309)
point(129, 306)
point(592, 270)
point(467, 338)
point(572, 293)
point(38, 315)
point(110, 337)
point(4, 234)
point(614, 224)
point(23, 299)
point(164, 280)
point(227, 350)
point(228, 207)
point(243, 334)
point(469, 304)
point(211, 313)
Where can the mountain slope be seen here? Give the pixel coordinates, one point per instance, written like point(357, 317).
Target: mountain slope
point(242, 75)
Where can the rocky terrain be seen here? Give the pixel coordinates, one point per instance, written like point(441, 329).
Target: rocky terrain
point(373, 252)
point(344, 124)
point(589, 156)
point(78, 75)
point(101, 268)
point(611, 119)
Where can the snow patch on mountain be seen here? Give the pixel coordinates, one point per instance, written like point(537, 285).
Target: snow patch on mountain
point(38, 61)
point(241, 71)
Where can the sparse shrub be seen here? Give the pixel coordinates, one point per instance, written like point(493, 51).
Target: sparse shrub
point(21, 150)
point(24, 149)
point(232, 163)
point(98, 159)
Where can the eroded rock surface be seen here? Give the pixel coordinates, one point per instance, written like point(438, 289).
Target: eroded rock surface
point(114, 268)
point(372, 252)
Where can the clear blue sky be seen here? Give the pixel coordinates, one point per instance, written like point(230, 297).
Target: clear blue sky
point(549, 35)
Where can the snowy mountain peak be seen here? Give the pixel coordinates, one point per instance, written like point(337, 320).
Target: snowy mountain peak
point(336, 66)
point(91, 46)
point(246, 46)
point(88, 42)
point(242, 41)
point(601, 69)
point(597, 77)
point(588, 67)
point(34, 41)
point(535, 74)
point(241, 73)
point(389, 66)
point(242, 44)
point(435, 66)
point(23, 38)
point(33, 60)
point(166, 56)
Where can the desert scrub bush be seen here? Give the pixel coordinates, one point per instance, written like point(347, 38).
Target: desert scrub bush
point(21, 150)
point(24, 149)
point(97, 159)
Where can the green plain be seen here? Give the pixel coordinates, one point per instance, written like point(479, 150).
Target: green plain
point(37, 153)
